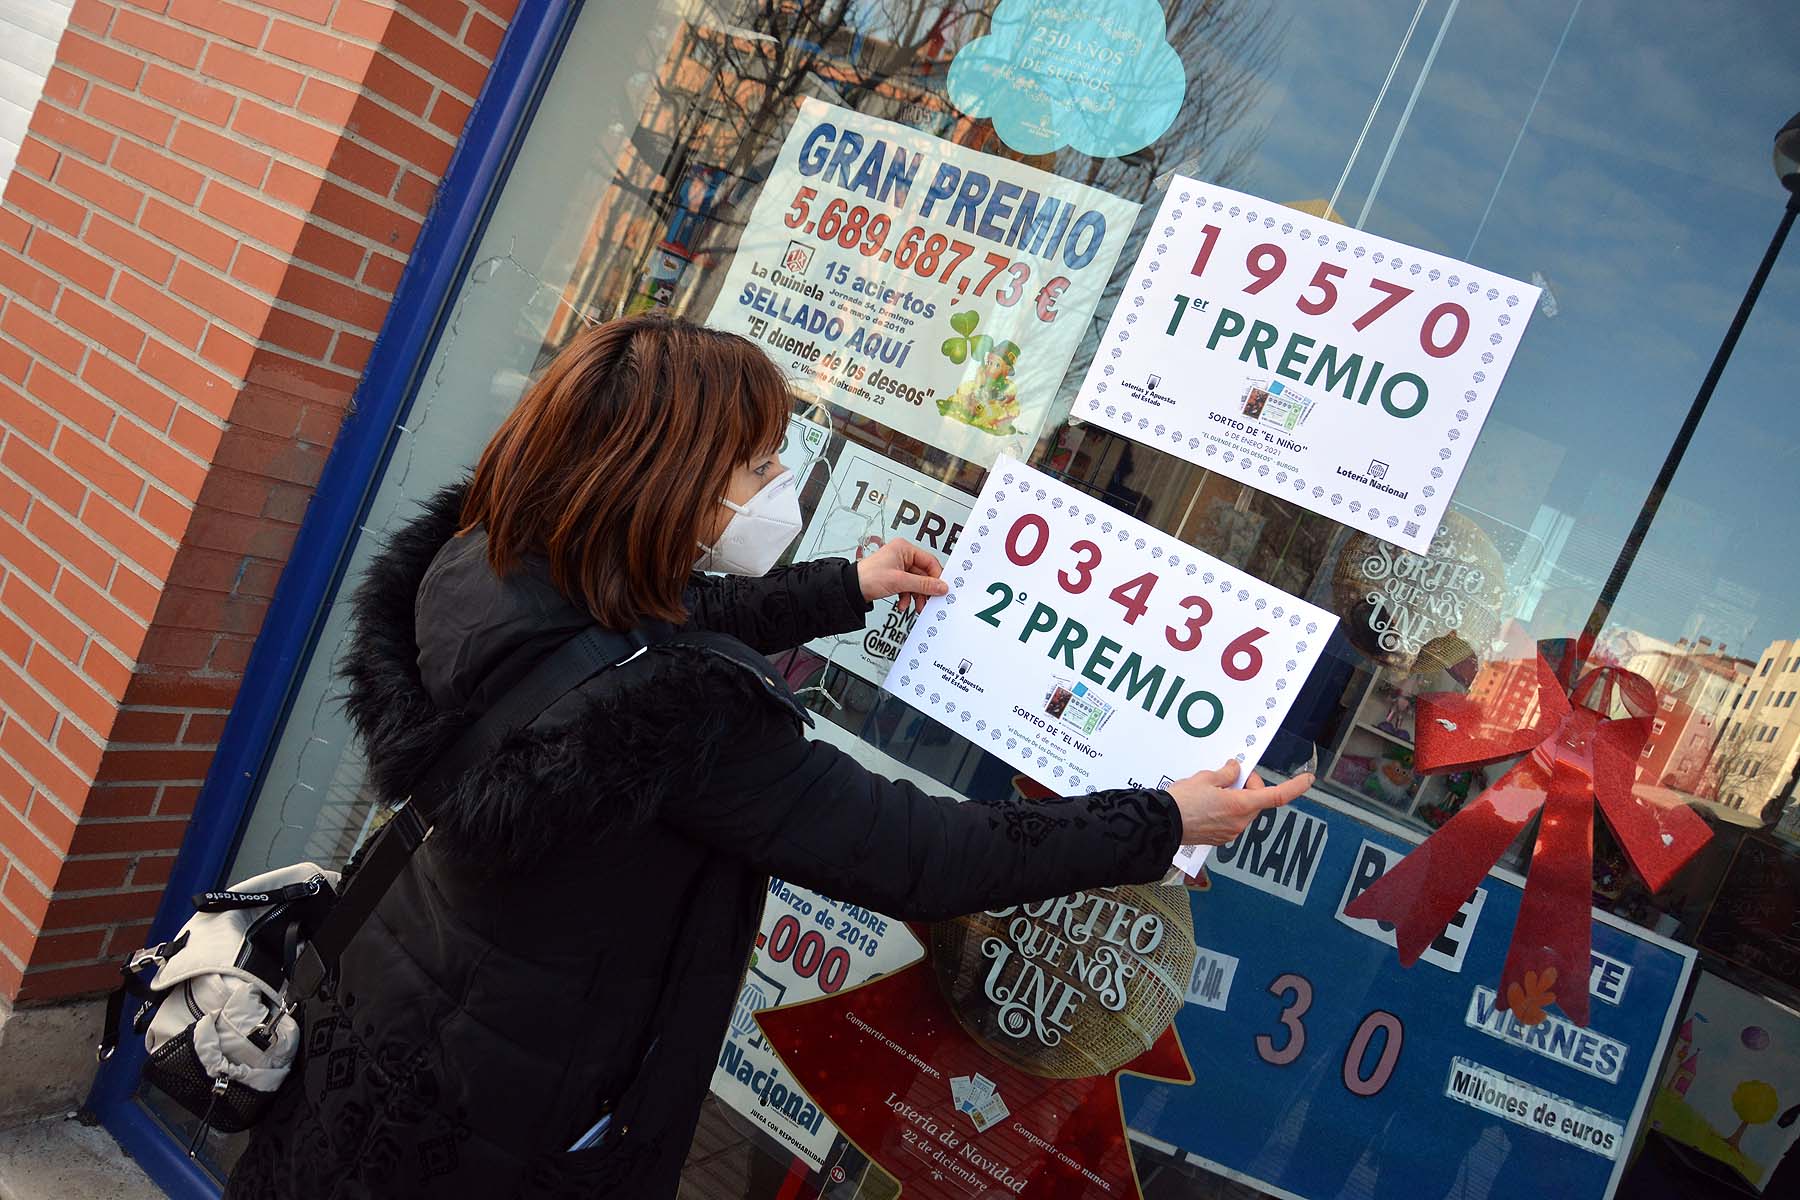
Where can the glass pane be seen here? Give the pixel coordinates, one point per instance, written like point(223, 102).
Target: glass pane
point(1614, 154)
point(311, 804)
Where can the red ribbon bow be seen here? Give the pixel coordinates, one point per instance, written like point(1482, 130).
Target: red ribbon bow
point(1575, 753)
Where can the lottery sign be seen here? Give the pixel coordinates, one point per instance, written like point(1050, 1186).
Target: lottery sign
point(868, 501)
point(1341, 371)
point(1340, 1065)
point(937, 289)
point(809, 946)
point(1093, 651)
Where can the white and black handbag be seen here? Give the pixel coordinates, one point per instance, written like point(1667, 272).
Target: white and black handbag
point(219, 1002)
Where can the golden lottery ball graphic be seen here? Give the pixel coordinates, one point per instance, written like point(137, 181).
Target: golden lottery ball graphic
point(1071, 987)
point(1394, 603)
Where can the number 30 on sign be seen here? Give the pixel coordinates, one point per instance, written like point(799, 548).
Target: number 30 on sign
point(1093, 651)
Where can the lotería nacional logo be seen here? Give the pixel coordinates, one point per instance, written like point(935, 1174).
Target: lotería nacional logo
point(759, 992)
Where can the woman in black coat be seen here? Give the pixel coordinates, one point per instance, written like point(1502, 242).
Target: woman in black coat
point(570, 940)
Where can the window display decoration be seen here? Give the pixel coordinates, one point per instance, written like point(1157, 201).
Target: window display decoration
point(1053, 73)
point(1732, 1088)
point(808, 945)
point(1322, 1060)
point(993, 1066)
point(1575, 753)
point(1395, 603)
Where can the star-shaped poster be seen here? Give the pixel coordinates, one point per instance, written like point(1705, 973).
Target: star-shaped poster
point(991, 1066)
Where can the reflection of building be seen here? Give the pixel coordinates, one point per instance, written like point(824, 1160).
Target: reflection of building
point(685, 182)
point(1760, 743)
point(1694, 686)
point(1508, 692)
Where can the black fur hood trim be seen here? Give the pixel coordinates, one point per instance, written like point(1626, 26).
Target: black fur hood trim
point(641, 733)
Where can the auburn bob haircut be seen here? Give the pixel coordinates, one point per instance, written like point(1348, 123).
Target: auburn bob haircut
point(614, 462)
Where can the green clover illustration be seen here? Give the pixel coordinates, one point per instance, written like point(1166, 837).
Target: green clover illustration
point(971, 345)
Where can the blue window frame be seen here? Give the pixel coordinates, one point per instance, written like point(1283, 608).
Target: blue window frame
point(489, 143)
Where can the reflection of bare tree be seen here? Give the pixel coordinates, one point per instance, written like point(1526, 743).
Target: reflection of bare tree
point(877, 55)
point(1229, 48)
point(726, 91)
point(734, 75)
point(722, 87)
point(1738, 774)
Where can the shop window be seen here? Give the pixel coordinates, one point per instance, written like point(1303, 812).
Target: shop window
point(1616, 161)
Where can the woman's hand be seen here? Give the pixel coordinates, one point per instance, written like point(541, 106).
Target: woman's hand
point(1213, 812)
point(901, 569)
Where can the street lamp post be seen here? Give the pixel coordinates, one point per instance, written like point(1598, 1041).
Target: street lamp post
point(1787, 169)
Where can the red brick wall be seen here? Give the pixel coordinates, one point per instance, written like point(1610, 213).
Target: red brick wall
point(197, 247)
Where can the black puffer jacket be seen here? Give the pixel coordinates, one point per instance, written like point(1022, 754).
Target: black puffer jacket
point(596, 886)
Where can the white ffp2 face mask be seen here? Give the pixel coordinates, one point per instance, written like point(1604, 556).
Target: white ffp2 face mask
point(759, 532)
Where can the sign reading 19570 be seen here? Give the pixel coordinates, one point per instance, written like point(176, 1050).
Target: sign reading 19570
point(1094, 651)
point(1342, 371)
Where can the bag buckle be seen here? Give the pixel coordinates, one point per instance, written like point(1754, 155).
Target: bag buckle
point(308, 973)
point(151, 956)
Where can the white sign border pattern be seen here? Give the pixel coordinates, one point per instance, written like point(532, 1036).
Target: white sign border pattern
point(1013, 487)
point(1446, 453)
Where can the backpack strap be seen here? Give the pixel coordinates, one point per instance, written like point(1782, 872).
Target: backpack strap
point(562, 671)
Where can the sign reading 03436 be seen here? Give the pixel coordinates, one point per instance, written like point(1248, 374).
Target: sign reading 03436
point(1092, 650)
